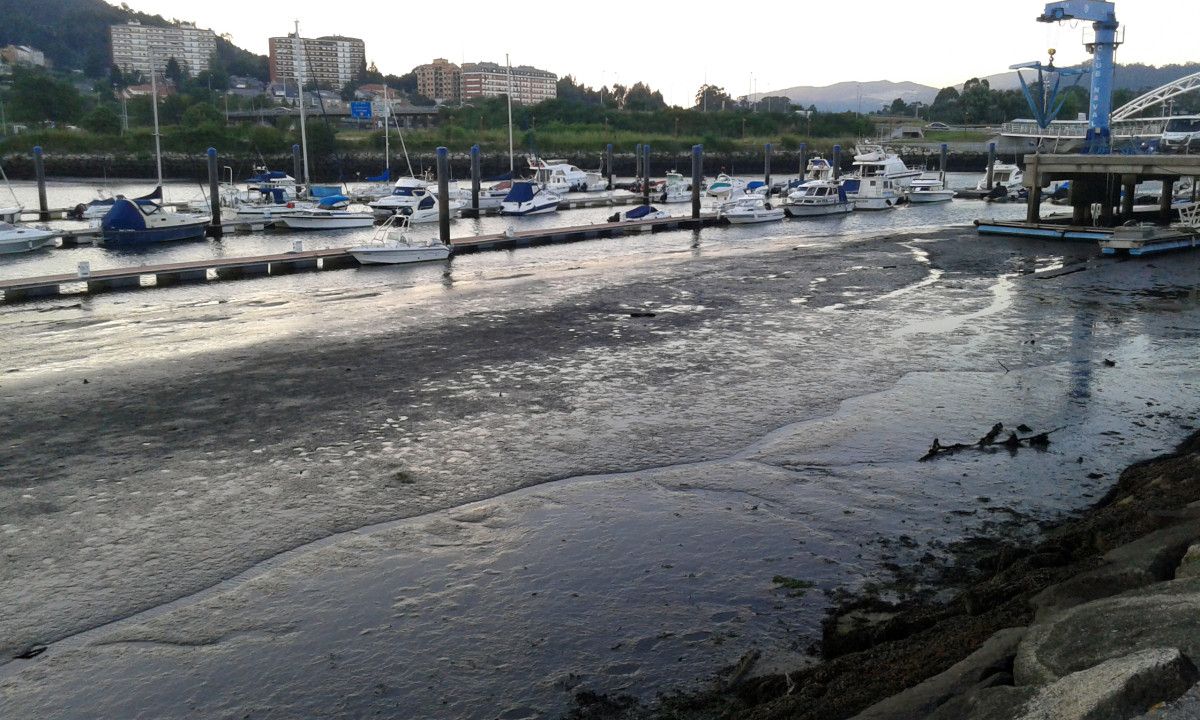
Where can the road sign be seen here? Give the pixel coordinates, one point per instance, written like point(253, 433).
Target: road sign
point(360, 110)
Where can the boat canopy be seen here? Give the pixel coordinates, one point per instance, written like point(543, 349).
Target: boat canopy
point(754, 185)
point(640, 211)
point(330, 201)
point(386, 176)
point(268, 176)
point(521, 192)
point(324, 191)
point(124, 215)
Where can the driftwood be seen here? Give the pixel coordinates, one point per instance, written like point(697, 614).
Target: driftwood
point(1012, 442)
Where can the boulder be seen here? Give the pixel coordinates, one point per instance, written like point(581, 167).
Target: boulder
point(996, 703)
point(1161, 615)
point(1116, 689)
point(1189, 566)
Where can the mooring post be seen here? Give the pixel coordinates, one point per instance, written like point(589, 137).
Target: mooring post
point(944, 160)
point(837, 162)
point(297, 167)
point(646, 174)
point(991, 168)
point(803, 160)
point(214, 195)
point(767, 167)
point(697, 178)
point(475, 179)
point(39, 170)
point(608, 164)
point(443, 181)
point(637, 153)
point(1033, 209)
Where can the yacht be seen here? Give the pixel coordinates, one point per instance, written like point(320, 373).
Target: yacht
point(17, 238)
point(529, 198)
point(726, 186)
point(875, 161)
point(1003, 175)
point(560, 177)
point(329, 214)
point(406, 193)
point(392, 246)
point(141, 222)
point(930, 188)
point(641, 212)
point(817, 198)
point(871, 193)
point(749, 209)
point(426, 210)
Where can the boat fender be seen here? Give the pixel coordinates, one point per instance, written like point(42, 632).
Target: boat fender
point(291, 205)
point(78, 212)
point(616, 217)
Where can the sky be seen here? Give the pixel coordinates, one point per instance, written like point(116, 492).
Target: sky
point(773, 46)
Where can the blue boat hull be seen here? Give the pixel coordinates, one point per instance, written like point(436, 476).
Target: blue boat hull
point(158, 235)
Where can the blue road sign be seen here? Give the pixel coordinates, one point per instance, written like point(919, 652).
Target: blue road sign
point(360, 110)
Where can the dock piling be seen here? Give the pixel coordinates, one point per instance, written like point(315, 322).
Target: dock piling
point(697, 178)
point(39, 169)
point(991, 168)
point(944, 160)
point(475, 173)
point(637, 157)
point(214, 195)
point(767, 167)
point(837, 162)
point(608, 164)
point(803, 160)
point(443, 180)
point(646, 174)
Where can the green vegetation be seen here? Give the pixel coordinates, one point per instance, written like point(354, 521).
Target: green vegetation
point(795, 588)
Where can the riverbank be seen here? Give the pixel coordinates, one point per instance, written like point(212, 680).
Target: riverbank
point(1095, 619)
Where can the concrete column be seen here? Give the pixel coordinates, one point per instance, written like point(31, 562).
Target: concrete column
point(1165, 214)
point(1033, 209)
point(443, 180)
point(1128, 189)
point(697, 178)
point(39, 170)
point(1080, 211)
point(214, 195)
point(991, 166)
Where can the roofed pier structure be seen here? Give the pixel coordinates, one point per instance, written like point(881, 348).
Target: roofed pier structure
point(1106, 184)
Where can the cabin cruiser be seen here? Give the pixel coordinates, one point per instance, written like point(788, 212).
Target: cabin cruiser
point(874, 161)
point(676, 189)
point(17, 238)
point(143, 222)
point(529, 198)
point(560, 177)
point(749, 209)
point(1003, 175)
point(427, 210)
point(331, 213)
point(871, 193)
point(407, 192)
point(641, 212)
point(930, 188)
point(817, 198)
point(266, 204)
point(726, 186)
point(392, 246)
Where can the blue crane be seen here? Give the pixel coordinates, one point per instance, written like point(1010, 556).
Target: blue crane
point(1103, 16)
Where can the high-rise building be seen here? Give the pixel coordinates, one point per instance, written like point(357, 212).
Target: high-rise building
point(133, 44)
point(529, 85)
point(439, 80)
point(330, 61)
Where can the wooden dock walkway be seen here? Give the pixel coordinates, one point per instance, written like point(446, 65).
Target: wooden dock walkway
point(204, 270)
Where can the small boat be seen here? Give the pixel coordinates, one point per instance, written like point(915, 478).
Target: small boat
point(329, 214)
point(99, 207)
point(749, 209)
point(641, 212)
point(817, 198)
point(875, 161)
point(427, 210)
point(930, 189)
point(11, 214)
point(1003, 175)
point(871, 193)
point(141, 222)
point(528, 198)
point(725, 186)
point(17, 239)
point(407, 192)
point(392, 246)
point(757, 187)
point(676, 189)
point(560, 177)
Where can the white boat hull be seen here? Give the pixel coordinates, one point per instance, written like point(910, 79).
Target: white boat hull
point(343, 222)
point(758, 216)
point(874, 203)
point(800, 211)
point(24, 240)
point(520, 209)
point(931, 196)
point(399, 255)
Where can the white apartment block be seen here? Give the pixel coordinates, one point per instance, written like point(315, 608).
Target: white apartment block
point(530, 86)
point(133, 44)
point(330, 61)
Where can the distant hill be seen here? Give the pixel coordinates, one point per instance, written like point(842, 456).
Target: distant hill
point(852, 96)
point(1128, 77)
point(74, 34)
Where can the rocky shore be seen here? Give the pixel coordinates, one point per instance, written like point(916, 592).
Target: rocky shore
point(1098, 619)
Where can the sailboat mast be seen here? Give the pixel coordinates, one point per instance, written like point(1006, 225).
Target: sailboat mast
point(387, 132)
point(154, 105)
point(510, 129)
point(300, 82)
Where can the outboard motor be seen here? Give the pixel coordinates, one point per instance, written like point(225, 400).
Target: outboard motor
point(1000, 192)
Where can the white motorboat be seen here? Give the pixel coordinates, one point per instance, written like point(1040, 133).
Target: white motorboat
point(18, 239)
point(676, 189)
point(560, 177)
point(329, 214)
point(641, 212)
point(427, 210)
point(392, 246)
point(749, 209)
point(875, 161)
point(1003, 175)
point(725, 186)
point(11, 214)
point(871, 193)
point(529, 198)
point(406, 193)
point(818, 198)
point(930, 189)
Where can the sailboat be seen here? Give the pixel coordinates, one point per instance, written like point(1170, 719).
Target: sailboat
point(143, 221)
point(380, 186)
point(10, 214)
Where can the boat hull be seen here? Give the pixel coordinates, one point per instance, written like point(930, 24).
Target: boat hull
point(398, 256)
point(932, 196)
point(300, 222)
point(153, 236)
point(803, 211)
point(522, 209)
point(754, 218)
point(26, 241)
point(876, 203)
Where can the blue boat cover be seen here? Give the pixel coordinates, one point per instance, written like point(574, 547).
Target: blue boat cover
point(640, 211)
point(521, 192)
point(385, 177)
point(124, 215)
point(754, 184)
point(323, 191)
point(329, 201)
point(267, 176)
point(842, 194)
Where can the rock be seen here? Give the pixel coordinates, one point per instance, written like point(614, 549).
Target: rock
point(994, 658)
point(1116, 689)
point(1161, 615)
point(1189, 566)
point(1147, 560)
point(994, 703)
